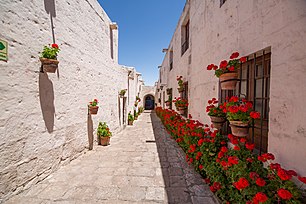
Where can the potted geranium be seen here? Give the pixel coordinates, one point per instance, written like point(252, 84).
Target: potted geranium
point(138, 99)
point(130, 119)
point(49, 58)
point(93, 107)
point(240, 113)
point(104, 133)
point(181, 105)
point(216, 114)
point(228, 71)
point(180, 82)
point(122, 92)
point(135, 115)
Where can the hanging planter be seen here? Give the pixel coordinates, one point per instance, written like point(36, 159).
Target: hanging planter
point(228, 71)
point(239, 128)
point(181, 110)
point(217, 121)
point(93, 108)
point(49, 65)
point(228, 81)
point(48, 58)
point(240, 114)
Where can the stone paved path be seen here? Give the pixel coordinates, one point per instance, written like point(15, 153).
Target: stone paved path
point(133, 169)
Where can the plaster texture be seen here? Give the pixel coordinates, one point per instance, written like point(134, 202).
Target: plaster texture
point(43, 116)
point(247, 27)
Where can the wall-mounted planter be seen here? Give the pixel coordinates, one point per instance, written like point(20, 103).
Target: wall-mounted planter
point(228, 81)
point(217, 121)
point(181, 89)
point(239, 129)
point(181, 110)
point(93, 110)
point(168, 103)
point(49, 65)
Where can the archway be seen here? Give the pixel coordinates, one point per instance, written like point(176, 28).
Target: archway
point(149, 102)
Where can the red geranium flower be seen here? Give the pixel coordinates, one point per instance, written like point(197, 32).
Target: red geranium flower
point(243, 59)
point(283, 174)
point(223, 64)
point(241, 183)
point(234, 55)
point(260, 197)
point(54, 46)
point(302, 179)
point(250, 146)
point(255, 115)
point(231, 68)
point(284, 194)
point(260, 182)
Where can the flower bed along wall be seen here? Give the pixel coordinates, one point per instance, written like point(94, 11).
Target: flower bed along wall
point(235, 175)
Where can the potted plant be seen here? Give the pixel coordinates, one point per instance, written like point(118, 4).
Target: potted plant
point(216, 114)
point(240, 113)
point(141, 109)
point(93, 107)
point(49, 58)
point(104, 134)
point(227, 71)
point(181, 105)
point(138, 99)
point(130, 119)
point(136, 103)
point(180, 82)
point(135, 115)
point(122, 92)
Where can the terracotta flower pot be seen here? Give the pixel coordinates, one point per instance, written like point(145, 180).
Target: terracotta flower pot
point(228, 81)
point(168, 103)
point(180, 90)
point(93, 110)
point(104, 141)
point(239, 128)
point(130, 122)
point(181, 110)
point(49, 65)
point(217, 121)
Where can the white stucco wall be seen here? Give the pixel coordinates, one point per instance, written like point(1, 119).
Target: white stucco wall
point(247, 27)
point(43, 117)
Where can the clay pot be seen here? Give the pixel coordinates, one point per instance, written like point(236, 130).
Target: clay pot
point(180, 90)
point(231, 84)
point(49, 65)
point(168, 103)
point(104, 141)
point(93, 110)
point(130, 122)
point(217, 121)
point(181, 110)
point(239, 128)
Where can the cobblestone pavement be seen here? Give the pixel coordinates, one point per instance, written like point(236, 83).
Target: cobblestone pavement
point(142, 165)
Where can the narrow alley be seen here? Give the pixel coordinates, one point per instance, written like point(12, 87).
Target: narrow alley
point(141, 165)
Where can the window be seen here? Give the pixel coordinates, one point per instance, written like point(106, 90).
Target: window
point(171, 59)
point(254, 85)
point(222, 2)
point(185, 37)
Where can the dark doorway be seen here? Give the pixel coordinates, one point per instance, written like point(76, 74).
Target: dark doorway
point(149, 102)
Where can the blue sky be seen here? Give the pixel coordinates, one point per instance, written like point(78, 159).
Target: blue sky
point(145, 28)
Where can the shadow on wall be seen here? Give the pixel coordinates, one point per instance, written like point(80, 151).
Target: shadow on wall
point(90, 131)
point(50, 7)
point(46, 97)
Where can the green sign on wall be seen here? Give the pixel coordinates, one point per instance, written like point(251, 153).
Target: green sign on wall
point(3, 50)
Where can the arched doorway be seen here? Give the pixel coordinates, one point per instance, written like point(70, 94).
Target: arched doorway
point(149, 102)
